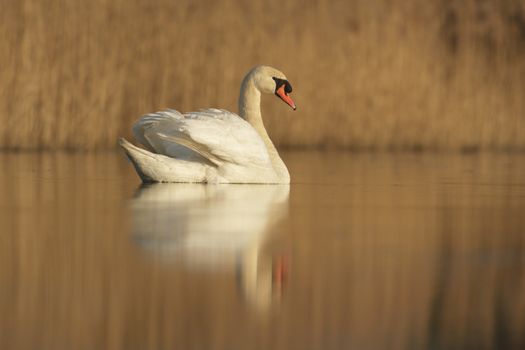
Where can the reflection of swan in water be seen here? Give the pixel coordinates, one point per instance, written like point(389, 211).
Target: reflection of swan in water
point(220, 227)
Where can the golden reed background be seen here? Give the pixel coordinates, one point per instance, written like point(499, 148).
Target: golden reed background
point(367, 74)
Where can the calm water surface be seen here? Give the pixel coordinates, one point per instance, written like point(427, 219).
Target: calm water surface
point(362, 251)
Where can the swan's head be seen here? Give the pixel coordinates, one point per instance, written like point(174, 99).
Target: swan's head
point(272, 81)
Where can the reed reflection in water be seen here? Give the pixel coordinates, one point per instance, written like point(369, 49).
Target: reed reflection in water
point(397, 251)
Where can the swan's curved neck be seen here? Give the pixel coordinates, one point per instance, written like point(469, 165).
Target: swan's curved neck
point(250, 110)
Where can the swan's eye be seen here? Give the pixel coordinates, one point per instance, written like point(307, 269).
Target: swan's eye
point(287, 87)
point(281, 82)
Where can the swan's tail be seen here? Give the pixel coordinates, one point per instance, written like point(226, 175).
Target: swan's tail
point(153, 167)
point(138, 158)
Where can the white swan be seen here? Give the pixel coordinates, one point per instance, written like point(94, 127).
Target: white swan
point(213, 145)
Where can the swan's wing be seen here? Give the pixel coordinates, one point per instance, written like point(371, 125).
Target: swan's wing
point(146, 130)
point(218, 135)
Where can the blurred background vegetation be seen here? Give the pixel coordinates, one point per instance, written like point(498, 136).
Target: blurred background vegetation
point(367, 74)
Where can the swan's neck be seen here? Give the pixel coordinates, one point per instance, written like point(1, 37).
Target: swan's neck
point(250, 110)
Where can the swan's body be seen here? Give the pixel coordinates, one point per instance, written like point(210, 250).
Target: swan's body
point(213, 145)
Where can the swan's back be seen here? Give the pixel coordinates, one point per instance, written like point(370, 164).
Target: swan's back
point(215, 134)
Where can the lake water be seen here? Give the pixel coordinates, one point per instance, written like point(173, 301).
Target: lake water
point(361, 251)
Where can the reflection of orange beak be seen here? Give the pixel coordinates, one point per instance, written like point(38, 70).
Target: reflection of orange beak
point(284, 96)
point(280, 272)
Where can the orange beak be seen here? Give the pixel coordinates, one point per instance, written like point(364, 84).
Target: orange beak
point(284, 96)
